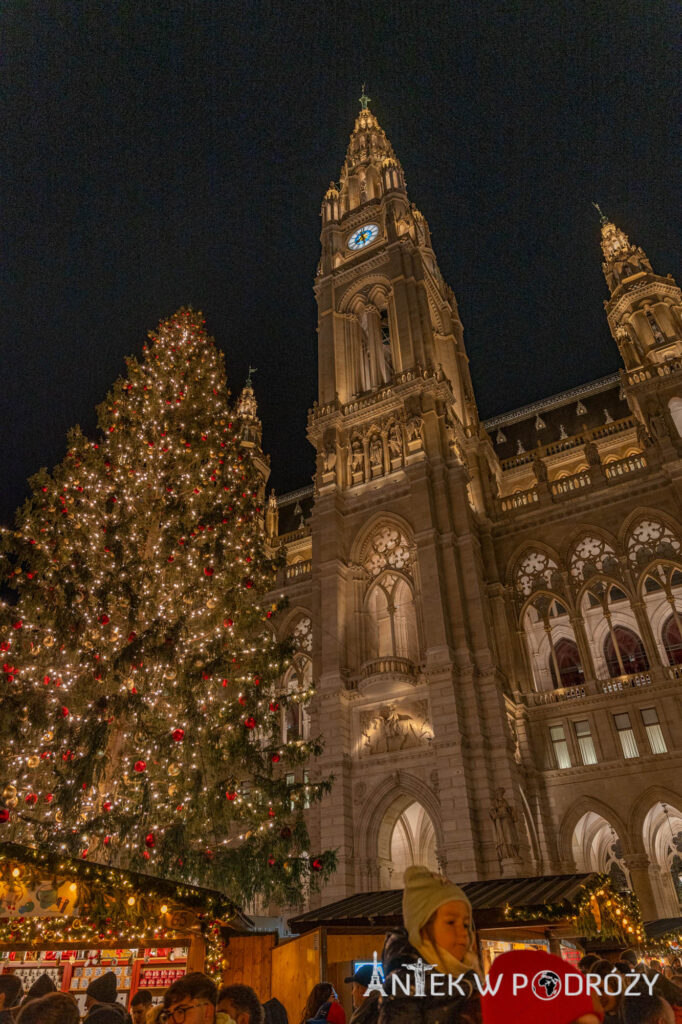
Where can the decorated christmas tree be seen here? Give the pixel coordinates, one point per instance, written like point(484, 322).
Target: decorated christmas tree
point(142, 699)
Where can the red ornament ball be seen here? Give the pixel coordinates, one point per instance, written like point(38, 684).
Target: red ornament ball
point(271, 813)
point(65, 712)
point(227, 623)
point(250, 723)
point(31, 798)
point(18, 624)
point(231, 795)
point(140, 766)
point(49, 797)
point(106, 806)
point(208, 571)
point(274, 706)
point(145, 854)
point(4, 815)
point(275, 758)
point(178, 735)
point(150, 840)
point(248, 583)
point(104, 619)
point(271, 861)
point(316, 865)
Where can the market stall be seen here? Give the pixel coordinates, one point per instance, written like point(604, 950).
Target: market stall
point(74, 920)
point(557, 913)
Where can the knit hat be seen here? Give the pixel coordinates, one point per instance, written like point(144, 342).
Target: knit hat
point(543, 1000)
point(42, 986)
point(103, 988)
point(424, 893)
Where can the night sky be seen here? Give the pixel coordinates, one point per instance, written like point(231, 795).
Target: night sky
point(158, 154)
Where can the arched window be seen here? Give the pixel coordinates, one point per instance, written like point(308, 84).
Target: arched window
point(536, 570)
point(672, 641)
point(392, 619)
point(568, 662)
point(630, 648)
point(651, 538)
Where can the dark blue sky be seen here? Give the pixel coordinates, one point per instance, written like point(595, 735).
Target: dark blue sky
point(166, 153)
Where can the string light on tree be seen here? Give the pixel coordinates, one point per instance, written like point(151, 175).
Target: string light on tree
point(142, 682)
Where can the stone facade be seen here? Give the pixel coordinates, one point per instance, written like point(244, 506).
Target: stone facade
point(490, 613)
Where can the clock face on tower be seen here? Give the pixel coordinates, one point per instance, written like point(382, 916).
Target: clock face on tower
point(363, 236)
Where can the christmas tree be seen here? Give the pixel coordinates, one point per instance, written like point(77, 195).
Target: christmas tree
point(142, 702)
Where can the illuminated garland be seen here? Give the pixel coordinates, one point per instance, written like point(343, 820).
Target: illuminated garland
point(115, 909)
point(598, 913)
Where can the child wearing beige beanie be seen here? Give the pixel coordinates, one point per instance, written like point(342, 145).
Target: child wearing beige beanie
point(439, 921)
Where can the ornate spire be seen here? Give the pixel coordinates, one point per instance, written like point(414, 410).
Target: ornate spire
point(368, 143)
point(622, 259)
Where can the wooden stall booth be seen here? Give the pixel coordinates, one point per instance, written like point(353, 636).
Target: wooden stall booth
point(556, 913)
point(74, 920)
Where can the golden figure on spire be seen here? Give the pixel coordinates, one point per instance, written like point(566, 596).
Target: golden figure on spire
point(364, 99)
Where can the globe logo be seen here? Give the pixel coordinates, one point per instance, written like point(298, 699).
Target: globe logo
point(546, 985)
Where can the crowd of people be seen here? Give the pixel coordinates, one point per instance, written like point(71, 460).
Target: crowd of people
point(438, 935)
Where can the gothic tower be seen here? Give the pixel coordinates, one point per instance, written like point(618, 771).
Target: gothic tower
point(413, 708)
point(644, 313)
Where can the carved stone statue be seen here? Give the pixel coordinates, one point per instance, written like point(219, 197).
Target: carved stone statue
point(329, 458)
point(414, 428)
point(504, 821)
point(540, 469)
point(376, 451)
point(395, 441)
point(356, 457)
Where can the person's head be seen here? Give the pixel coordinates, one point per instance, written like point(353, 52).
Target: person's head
point(42, 986)
point(190, 1000)
point(585, 962)
point(630, 957)
point(608, 1003)
point(647, 1009)
point(101, 990)
point(139, 1004)
point(10, 990)
point(319, 994)
point(358, 983)
point(54, 1008)
point(241, 1003)
point(676, 963)
point(525, 1007)
point(437, 911)
point(655, 965)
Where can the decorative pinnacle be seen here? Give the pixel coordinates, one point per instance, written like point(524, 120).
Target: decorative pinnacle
point(252, 370)
point(364, 99)
point(603, 219)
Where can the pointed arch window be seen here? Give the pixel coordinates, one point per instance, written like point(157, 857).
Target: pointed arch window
point(392, 619)
point(672, 640)
point(624, 652)
point(386, 345)
point(567, 660)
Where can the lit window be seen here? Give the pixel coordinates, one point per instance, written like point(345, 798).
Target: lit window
point(290, 780)
point(585, 742)
point(653, 731)
point(560, 746)
point(627, 736)
point(306, 781)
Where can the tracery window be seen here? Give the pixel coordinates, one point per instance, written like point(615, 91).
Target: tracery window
point(592, 555)
point(302, 636)
point(672, 640)
point(298, 679)
point(392, 619)
point(389, 549)
point(624, 652)
point(536, 571)
point(650, 539)
point(567, 659)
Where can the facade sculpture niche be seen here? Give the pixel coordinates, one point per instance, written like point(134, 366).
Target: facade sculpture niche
point(395, 726)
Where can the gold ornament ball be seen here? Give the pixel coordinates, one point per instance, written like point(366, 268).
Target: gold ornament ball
point(33, 761)
point(211, 603)
point(79, 598)
point(9, 792)
point(130, 683)
point(172, 789)
point(48, 641)
point(170, 674)
point(173, 769)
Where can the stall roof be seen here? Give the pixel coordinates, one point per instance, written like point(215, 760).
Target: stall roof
point(488, 899)
point(664, 926)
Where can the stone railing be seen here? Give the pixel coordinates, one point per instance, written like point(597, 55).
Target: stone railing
point(569, 484)
point(298, 569)
point(632, 464)
point(522, 499)
point(645, 373)
point(387, 666)
point(566, 443)
point(599, 687)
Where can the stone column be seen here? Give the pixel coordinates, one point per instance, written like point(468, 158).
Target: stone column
point(638, 867)
point(646, 633)
point(583, 646)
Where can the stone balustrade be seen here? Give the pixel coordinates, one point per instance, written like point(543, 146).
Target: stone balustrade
point(617, 685)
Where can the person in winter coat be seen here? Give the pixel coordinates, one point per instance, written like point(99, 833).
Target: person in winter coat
point(319, 994)
point(53, 1008)
point(42, 986)
point(365, 1007)
point(101, 1001)
point(10, 994)
point(502, 1005)
point(275, 1012)
point(439, 932)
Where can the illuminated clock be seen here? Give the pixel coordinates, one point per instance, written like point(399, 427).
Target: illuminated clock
point(363, 236)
